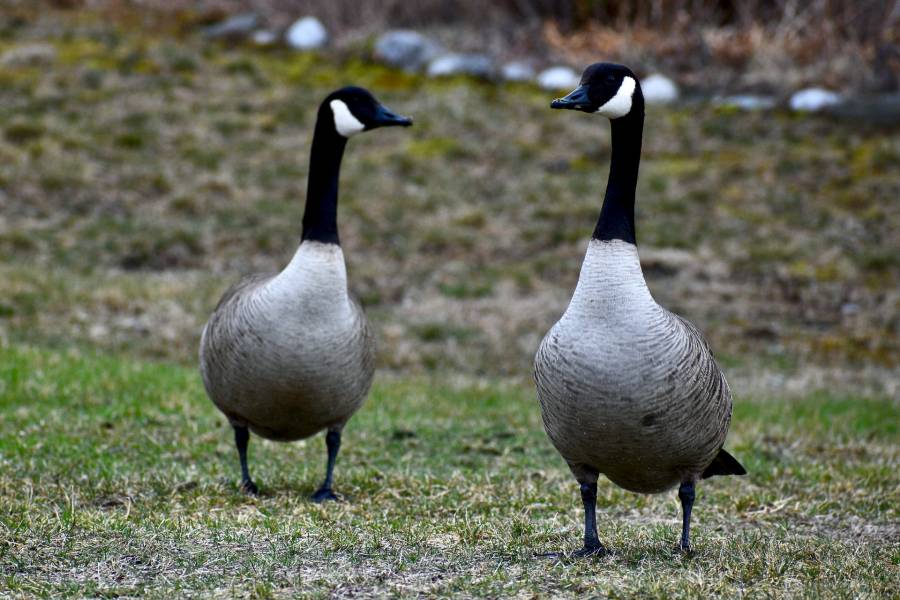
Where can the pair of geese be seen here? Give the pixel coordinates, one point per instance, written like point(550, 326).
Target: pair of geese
point(626, 388)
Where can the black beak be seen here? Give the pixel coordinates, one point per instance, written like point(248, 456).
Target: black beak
point(576, 100)
point(385, 118)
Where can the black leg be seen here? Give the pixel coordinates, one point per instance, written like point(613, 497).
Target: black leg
point(686, 495)
point(587, 479)
point(592, 545)
point(333, 441)
point(241, 439)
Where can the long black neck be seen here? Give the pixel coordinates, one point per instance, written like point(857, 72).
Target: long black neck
point(320, 216)
point(616, 220)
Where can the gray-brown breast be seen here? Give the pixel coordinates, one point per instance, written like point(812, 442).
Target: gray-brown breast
point(629, 389)
point(287, 363)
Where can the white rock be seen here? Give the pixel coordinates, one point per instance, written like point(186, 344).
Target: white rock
point(659, 89)
point(746, 102)
point(517, 71)
point(558, 78)
point(264, 37)
point(813, 99)
point(477, 65)
point(307, 33)
point(406, 49)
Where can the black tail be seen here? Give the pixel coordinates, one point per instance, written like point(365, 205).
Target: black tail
point(724, 464)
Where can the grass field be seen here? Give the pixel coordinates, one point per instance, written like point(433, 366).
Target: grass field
point(143, 171)
point(119, 478)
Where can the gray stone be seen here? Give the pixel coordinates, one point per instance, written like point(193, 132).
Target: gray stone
point(236, 26)
point(849, 309)
point(558, 78)
point(307, 33)
point(476, 65)
point(659, 89)
point(813, 99)
point(406, 49)
point(746, 102)
point(874, 109)
point(29, 55)
point(517, 71)
point(264, 37)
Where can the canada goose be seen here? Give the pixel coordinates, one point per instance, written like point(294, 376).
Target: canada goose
point(627, 388)
point(288, 354)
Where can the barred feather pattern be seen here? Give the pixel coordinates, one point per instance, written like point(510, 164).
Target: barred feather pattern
point(627, 388)
point(290, 354)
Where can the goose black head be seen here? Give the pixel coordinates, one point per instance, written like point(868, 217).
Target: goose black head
point(354, 109)
point(607, 89)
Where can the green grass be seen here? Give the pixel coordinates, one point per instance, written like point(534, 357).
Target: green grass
point(119, 478)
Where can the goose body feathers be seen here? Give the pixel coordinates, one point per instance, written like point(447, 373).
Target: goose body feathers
point(627, 388)
point(290, 354)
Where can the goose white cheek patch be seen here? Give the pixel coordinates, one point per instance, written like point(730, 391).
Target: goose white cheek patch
point(620, 104)
point(344, 122)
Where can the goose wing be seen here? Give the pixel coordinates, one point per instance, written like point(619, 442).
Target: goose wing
point(724, 463)
point(719, 385)
point(219, 315)
point(367, 336)
point(692, 331)
point(246, 284)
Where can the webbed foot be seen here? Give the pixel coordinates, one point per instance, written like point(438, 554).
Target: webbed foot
point(249, 488)
point(324, 494)
point(590, 551)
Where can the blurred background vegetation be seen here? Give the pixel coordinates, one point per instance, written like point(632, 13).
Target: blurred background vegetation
point(711, 44)
point(145, 167)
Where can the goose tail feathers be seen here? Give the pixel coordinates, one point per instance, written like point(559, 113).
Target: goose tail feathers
point(723, 464)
